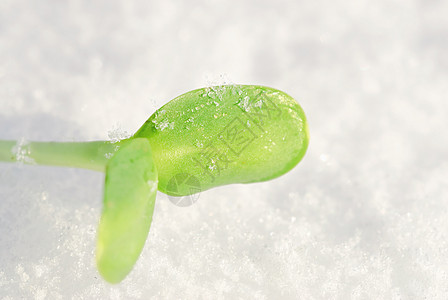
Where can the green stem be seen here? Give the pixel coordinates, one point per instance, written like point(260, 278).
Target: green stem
point(86, 155)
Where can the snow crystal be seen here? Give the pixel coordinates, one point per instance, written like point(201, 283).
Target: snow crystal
point(22, 152)
point(117, 133)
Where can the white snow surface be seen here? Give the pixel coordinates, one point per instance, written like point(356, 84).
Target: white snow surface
point(363, 216)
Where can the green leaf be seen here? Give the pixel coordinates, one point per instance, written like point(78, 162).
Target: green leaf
point(225, 134)
point(129, 197)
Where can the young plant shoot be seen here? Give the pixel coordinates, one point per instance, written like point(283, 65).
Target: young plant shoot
point(214, 136)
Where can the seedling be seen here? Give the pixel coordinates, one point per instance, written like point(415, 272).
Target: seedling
point(205, 138)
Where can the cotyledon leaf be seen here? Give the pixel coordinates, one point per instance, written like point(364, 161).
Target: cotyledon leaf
point(129, 196)
point(225, 134)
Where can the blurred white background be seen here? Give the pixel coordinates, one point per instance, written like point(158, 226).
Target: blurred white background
point(363, 216)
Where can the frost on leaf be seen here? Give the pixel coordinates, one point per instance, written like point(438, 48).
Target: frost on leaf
point(22, 152)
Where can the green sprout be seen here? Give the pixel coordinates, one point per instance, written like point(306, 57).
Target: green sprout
point(217, 135)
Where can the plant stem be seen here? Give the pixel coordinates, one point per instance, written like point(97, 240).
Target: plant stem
point(86, 155)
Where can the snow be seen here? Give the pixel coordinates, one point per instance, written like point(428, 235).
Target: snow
point(363, 216)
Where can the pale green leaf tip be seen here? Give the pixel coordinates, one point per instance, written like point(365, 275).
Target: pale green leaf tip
point(110, 271)
point(129, 197)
